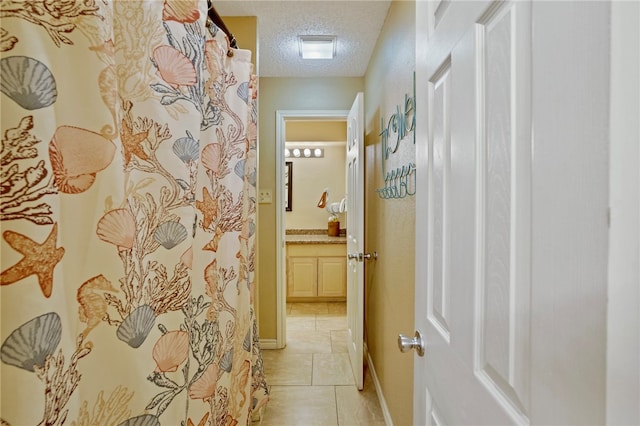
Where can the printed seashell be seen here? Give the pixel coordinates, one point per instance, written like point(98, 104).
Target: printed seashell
point(117, 227)
point(170, 234)
point(246, 344)
point(248, 229)
point(227, 361)
point(205, 386)
point(76, 156)
point(174, 67)
point(75, 184)
point(243, 91)
point(239, 171)
point(187, 149)
point(136, 327)
point(82, 151)
point(171, 350)
point(183, 11)
point(239, 168)
point(211, 155)
point(30, 344)
point(143, 420)
point(187, 258)
point(183, 184)
point(28, 82)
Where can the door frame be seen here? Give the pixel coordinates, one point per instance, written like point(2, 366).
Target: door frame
point(623, 314)
point(282, 116)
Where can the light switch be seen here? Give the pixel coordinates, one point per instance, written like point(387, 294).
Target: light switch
point(264, 196)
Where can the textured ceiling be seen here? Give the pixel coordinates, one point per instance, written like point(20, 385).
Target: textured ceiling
point(356, 23)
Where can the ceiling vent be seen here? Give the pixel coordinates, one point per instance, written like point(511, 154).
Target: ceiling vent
point(317, 46)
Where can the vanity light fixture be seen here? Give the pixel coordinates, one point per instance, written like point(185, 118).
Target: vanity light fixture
point(304, 152)
point(317, 46)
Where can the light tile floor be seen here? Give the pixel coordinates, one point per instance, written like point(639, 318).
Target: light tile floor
point(310, 380)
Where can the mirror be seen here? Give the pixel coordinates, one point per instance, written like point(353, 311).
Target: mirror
point(288, 179)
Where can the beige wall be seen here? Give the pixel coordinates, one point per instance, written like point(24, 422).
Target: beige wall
point(310, 178)
point(245, 30)
point(390, 226)
point(318, 130)
point(286, 94)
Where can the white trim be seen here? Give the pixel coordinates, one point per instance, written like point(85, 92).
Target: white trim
point(623, 314)
point(281, 293)
point(317, 143)
point(268, 344)
point(281, 290)
point(383, 403)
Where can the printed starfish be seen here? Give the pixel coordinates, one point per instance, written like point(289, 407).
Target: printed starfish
point(208, 207)
point(131, 143)
point(39, 259)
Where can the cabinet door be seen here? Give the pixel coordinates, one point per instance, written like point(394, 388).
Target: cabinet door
point(302, 275)
point(332, 272)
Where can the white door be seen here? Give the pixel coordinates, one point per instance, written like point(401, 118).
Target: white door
point(355, 237)
point(511, 212)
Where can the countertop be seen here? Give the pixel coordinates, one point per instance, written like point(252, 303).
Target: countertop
point(313, 236)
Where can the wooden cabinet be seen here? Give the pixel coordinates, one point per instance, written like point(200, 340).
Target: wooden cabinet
point(316, 272)
point(302, 276)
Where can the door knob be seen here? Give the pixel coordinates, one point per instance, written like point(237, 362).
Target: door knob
point(361, 257)
point(368, 256)
point(407, 343)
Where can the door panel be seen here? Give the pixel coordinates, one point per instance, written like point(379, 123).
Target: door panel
point(355, 237)
point(477, 227)
point(503, 206)
point(438, 283)
point(513, 320)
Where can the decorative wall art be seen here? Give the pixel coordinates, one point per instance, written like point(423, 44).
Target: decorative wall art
point(400, 181)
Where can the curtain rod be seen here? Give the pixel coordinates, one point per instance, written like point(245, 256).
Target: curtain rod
point(215, 17)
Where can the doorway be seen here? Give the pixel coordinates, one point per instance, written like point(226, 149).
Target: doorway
point(282, 117)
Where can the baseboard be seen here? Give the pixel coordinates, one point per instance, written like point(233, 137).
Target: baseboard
point(268, 344)
point(383, 403)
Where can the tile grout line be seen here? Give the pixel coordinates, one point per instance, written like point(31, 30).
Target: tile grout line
point(312, 357)
point(335, 398)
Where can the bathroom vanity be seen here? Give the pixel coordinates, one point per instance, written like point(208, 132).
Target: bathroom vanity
point(316, 266)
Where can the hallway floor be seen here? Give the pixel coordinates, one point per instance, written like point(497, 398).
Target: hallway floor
point(310, 379)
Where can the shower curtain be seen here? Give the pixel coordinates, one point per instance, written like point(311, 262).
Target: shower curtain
point(128, 216)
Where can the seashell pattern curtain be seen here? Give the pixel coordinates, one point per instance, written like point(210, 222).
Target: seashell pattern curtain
point(128, 216)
